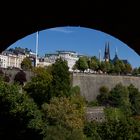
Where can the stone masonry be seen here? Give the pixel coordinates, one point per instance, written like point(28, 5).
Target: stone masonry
point(90, 83)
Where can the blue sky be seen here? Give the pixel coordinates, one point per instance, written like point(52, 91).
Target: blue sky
point(82, 40)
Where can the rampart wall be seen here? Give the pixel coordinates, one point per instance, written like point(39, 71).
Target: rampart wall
point(90, 83)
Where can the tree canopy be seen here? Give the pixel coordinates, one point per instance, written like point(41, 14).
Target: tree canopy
point(20, 117)
point(61, 83)
point(26, 64)
point(39, 86)
point(81, 64)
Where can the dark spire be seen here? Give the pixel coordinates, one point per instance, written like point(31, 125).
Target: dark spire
point(107, 52)
point(116, 56)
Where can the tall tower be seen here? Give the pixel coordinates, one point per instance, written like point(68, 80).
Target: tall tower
point(36, 59)
point(116, 52)
point(107, 52)
point(116, 56)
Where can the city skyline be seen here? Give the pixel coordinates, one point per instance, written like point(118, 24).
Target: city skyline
point(79, 39)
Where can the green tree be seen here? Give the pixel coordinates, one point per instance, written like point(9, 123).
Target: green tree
point(114, 114)
point(60, 85)
point(20, 117)
point(121, 129)
point(139, 70)
point(77, 99)
point(134, 96)
point(105, 67)
point(60, 133)
point(56, 132)
point(74, 67)
point(119, 97)
point(102, 98)
point(124, 129)
point(39, 86)
point(135, 71)
point(65, 117)
point(128, 69)
point(62, 111)
point(4, 76)
point(26, 64)
point(82, 64)
point(93, 103)
point(111, 70)
point(119, 67)
point(75, 91)
point(94, 63)
point(91, 130)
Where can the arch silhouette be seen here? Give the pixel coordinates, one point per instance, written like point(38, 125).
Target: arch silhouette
point(116, 18)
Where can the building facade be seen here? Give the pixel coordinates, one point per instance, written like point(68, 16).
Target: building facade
point(3, 61)
point(13, 58)
point(70, 56)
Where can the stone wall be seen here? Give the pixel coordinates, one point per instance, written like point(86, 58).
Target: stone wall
point(12, 72)
point(90, 83)
point(95, 113)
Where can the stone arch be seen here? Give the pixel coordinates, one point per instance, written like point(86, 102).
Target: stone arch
point(115, 18)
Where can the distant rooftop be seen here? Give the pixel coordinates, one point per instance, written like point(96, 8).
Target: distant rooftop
point(65, 51)
point(50, 54)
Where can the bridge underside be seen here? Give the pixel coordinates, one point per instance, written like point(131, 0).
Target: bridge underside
point(117, 19)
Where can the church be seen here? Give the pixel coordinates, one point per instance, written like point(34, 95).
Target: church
point(107, 55)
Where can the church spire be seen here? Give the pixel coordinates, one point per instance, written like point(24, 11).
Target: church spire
point(116, 55)
point(107, 52)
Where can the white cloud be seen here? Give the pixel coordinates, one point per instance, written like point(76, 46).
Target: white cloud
point(60, 29)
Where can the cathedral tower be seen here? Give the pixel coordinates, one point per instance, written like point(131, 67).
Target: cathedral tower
point(107, 52)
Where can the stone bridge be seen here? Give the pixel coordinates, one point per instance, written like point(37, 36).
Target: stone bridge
point(117, 18)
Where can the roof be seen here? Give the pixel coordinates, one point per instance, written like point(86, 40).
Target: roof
point(65, 51)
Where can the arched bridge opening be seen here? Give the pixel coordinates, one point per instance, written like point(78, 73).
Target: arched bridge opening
point(115, 18)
